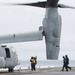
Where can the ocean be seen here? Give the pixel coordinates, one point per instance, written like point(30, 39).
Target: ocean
point(44, 63)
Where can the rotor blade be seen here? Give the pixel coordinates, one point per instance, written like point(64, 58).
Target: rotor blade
point(38, 4)
point(65, 6)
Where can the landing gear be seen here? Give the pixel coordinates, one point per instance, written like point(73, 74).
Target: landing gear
point(10, 69)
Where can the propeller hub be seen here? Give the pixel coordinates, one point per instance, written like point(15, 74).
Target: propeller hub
point(52, 3)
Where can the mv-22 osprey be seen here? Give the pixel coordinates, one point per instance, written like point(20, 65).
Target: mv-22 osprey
point(51, 29)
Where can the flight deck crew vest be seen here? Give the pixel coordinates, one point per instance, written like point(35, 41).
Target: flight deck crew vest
point(32, 60)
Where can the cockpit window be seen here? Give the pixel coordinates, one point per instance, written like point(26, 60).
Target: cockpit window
point(7, 52)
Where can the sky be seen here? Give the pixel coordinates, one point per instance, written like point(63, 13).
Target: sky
point(23, 19)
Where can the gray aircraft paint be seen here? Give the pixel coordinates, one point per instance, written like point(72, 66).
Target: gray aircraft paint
point(22, 37)
point(52, 28)
point(8, 59)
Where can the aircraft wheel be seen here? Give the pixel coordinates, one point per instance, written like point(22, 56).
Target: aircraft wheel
point(10, 70)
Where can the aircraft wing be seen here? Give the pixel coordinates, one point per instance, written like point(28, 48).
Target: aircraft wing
point(23, 37)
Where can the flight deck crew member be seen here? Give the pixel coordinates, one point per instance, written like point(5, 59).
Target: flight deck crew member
point(32, 60)
point(67, 62)
point(63, 64)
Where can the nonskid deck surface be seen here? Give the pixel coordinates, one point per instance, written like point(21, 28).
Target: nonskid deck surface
point(44, 71)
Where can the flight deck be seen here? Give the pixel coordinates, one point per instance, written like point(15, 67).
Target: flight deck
point(44, 71)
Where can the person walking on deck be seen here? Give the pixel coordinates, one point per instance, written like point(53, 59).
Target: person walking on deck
point(67, 62)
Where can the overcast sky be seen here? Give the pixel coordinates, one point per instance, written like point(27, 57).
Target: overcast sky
point(22, 19)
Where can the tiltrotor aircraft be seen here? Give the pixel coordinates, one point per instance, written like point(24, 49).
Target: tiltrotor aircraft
point(51, 29)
